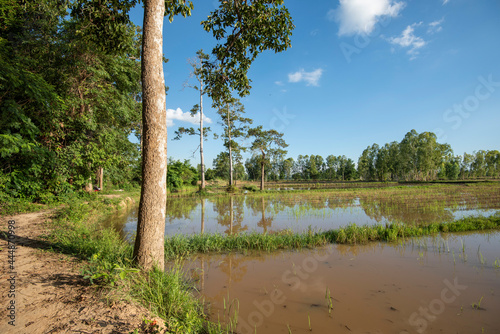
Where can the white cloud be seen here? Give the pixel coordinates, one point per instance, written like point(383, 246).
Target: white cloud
point(445, 2)
point(278, 83)
point(361, 16)
point(311, 78)
point(409, 40)
point(177, 114)
point(435, 27)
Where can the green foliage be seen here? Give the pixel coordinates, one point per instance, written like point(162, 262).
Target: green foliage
point(247, 28)
point(68, 95)
point(180, 174)
point(419, 157)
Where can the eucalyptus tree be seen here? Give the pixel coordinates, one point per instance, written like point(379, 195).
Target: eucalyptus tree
point(302, 167)
point(479, 163)
point(331, 167)
point(316, 166)
point(466, 165)
point(234, 126)
point(408, 153)
point(286, 169)
point(492, 160)
point(268, 143)
point(197, 109)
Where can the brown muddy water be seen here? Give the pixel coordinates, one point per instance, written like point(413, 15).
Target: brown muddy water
point(445, 284)
point(320, 210)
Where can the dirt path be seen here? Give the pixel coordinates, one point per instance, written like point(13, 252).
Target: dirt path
point(50, 294)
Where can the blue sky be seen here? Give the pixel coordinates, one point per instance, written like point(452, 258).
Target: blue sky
point(358, 72)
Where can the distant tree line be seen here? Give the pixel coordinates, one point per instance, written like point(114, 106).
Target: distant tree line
point(418, 157)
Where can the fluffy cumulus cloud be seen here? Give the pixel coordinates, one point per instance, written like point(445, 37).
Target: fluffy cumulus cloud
point(361, 16)
point(409, 40)
point(179, 115)
point(311, 78)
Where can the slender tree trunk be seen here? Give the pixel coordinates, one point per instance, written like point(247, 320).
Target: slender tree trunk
point(262, 170)
point(230, 151)
point(100, 178)
point(202, 161)
point(149, 248)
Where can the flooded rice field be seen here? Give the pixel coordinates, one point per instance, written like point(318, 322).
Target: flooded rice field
point(445, 284)
point(300, 212)
point(448, 283)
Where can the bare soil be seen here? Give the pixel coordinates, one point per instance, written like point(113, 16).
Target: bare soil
point(51, 295)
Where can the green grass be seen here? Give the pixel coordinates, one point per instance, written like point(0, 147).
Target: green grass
point(181, 245)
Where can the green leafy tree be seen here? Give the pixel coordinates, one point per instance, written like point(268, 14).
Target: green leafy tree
point(492, 160)
point(180, 174)
point(247, 28)
point(268, 143)
point(452, 168)
point(286, 169)
point(234, 126)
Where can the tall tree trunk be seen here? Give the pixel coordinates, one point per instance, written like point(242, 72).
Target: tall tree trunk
point(202, 161)
point(230, 151)
point(149, 248)
point(262, 170)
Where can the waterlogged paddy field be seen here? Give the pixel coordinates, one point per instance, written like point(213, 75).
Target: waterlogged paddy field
point(445, 284)
point(449, 283)
point(323, 210)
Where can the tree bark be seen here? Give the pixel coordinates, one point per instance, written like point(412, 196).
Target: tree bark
point(202, 161)
point(230, 151)
point(263, 167)
point(100, 178)
point(149, 248)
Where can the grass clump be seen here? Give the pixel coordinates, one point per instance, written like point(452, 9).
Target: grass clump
point(354, 234)
point(251, 188)
point(181, 245)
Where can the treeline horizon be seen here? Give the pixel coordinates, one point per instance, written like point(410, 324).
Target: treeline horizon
point(417, 157)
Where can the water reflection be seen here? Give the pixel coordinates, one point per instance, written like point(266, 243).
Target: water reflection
point(230, 214)
point(320, 211)
point(374, 286)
